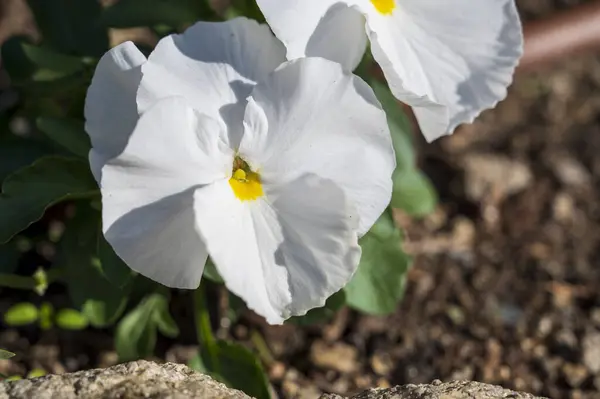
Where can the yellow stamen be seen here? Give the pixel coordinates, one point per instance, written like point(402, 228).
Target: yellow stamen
point(385, 7)
point(245, 183)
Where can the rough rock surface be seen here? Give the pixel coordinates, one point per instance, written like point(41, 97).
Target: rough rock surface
point(439, 390)
point(143, 379)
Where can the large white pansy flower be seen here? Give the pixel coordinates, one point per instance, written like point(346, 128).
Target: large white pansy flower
point(211, 147)
point(449, 59)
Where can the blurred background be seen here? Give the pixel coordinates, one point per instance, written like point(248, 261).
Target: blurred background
point(505, 286)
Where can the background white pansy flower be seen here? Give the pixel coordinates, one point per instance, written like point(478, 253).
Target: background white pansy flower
point(211, 147)
point(449, 59)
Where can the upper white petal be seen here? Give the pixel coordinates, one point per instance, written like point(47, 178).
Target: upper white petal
point(214, 66)
point(147, 191)
point(331, 29)
point(284, 253)
point(450, 59)
point(311, 117)
point(110, 107)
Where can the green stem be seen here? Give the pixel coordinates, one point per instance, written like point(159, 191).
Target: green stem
point(27, 282)
point(262, 348)
point(204, 333)
point(18, 282)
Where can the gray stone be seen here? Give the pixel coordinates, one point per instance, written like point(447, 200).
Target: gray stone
point(439, 390)
point(141, 379)
point(148, 380)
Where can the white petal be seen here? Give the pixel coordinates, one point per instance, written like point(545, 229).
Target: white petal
point(213, 65)
point(330, 29)
point(147, 191)
point(450, 59)
point(285, 253)
point(110, 106)
point(310, 117)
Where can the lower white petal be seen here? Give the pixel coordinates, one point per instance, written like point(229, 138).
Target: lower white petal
point(286, 253)
point(147, 191)
point(450, 59)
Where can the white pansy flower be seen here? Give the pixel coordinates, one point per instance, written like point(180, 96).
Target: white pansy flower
point(212, 146)
point(449, 59)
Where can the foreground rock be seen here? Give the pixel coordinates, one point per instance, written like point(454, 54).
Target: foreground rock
point(133, 380)
point(142, 379)
point(439, 390)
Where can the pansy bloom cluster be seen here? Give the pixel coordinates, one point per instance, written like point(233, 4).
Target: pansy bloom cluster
point(264, 152)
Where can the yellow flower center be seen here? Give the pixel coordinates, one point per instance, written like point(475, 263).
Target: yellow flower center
point(244, 182)
point(385, 7)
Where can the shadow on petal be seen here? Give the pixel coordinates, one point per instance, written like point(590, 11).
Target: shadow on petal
point(160, 240)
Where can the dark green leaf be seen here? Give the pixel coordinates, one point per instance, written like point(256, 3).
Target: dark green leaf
point(323, 314)
point(163, 320)
point(70, 319)
point(4, 354)
point(46, 59)
point(399, 124)
point(9, 257)
point(380, 280)
point(71, 26)
point(113, 267)
point(17, 153)
point(413, 193)
point(211, 273)
point(240, 369)
point(227, 362)
point(197, 364)
point(176, 13)
point(21, 314)
point(29, 192)
point(136, 332)
point(68, 133)
point(101, 302)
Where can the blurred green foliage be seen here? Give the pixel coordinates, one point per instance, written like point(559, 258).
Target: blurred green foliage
point(45, 176)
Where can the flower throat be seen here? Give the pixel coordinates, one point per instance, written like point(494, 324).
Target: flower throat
point(244, 182)
point(385, 7)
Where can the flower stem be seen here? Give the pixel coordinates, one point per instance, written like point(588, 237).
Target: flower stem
point(204, 333)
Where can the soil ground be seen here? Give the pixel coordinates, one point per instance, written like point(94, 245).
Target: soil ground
point(506, 282)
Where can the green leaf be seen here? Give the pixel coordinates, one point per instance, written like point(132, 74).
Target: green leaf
point(132, 13)
point(379, 282)
point(68, 133)
point(413, 193)
point(100, 301)
point(230, 363)
point(29, 192)
point(71, 26)
point(163, 320)
point(211, 273)
point(46, 315)
point(21, 314)
point(241, 369)
point(71, 319)
point(136, 332)
point(45, 58)
point(17, 153)
point(35, 373)
point(321, 315)
point(9, 257)
point(399, 124)
point(4, 354)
